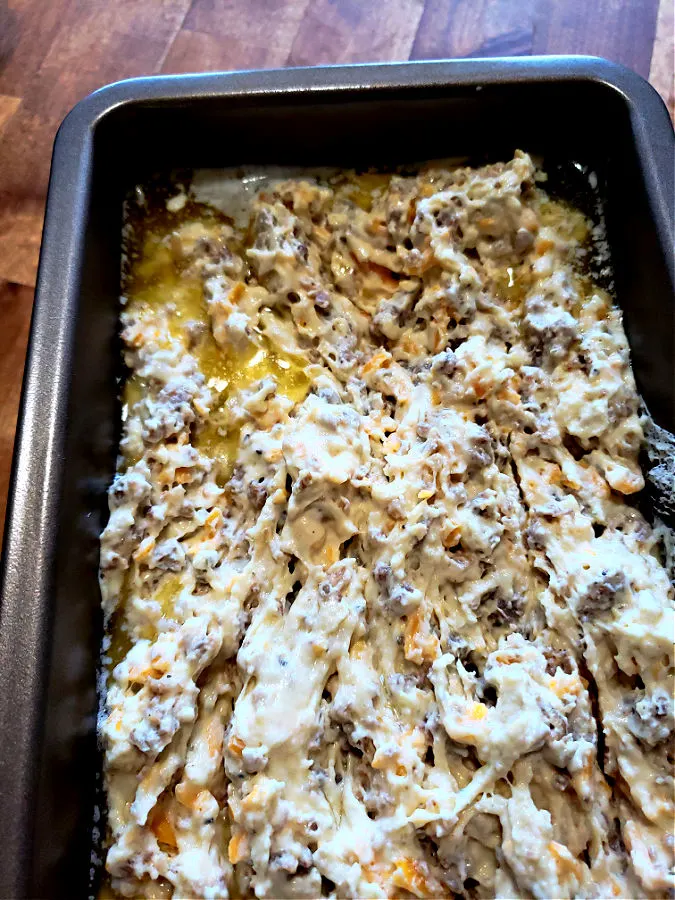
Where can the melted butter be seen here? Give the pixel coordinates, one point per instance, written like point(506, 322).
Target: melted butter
point(120, 639)
point(158, 282)
point(588, 292)
point(512, 285)
point(221, 444)
point(166, 595)
point(569, 222)
point(213, 362)
point(363, 189)
point(134, 390)
point(120, 642)
point(240, 370)
point(155, 283)
point(264, 360)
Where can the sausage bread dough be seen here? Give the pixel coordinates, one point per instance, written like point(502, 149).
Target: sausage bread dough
point(380, 620)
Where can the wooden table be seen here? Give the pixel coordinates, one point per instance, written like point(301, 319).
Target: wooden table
point(54, 52)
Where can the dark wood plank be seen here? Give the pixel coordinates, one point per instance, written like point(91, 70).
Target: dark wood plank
point(451, 28)
point(230, 34)
point(16, 302)
point(20, 225)
point(662, 68)
point(107, 41)
point(27, 30)
point(23, 187)
point(64, 50)
point(21, 215)
point(335, 31)
point(197, 51)
point(8, 107)
point(621, 30)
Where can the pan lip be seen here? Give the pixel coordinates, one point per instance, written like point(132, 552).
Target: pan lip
point(27, 576)
point(473, 71)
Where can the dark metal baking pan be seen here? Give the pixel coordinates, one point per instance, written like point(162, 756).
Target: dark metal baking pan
point(583, 109)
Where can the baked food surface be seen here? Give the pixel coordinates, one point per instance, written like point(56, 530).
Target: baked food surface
point(381, 622)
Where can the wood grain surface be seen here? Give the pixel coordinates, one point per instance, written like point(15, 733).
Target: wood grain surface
point(54, 52)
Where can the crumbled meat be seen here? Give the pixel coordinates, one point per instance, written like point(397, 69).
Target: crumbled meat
point(601, 595)
point(535, 535)
point(481, 452)
point(552, 330)
point(651, 719)
point(445, 363)
point(168, 555)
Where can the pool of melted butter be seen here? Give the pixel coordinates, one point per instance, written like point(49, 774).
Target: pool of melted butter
point(157, 278)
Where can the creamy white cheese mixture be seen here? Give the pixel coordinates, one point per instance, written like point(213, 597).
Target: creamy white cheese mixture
point(380, 621)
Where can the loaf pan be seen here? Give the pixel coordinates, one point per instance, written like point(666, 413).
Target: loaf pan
point(587, 110)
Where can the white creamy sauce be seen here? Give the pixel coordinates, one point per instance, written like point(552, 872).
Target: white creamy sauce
point(374, 596)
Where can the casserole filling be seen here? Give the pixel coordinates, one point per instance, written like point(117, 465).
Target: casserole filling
point(380, 621)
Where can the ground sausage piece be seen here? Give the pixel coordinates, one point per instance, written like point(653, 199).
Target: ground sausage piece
point(257, 494)
point(509, 610)
point(397, 599)
point(480, 453)
point(601, 594)
point(169, 556)
point(445, 363)
point(550, 329)
point(535, 535)
point(652, 718)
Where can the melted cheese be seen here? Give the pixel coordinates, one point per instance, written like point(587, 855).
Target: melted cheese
point(372, 591)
